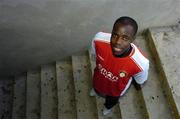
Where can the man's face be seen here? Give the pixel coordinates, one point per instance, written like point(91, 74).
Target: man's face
point(122, 36)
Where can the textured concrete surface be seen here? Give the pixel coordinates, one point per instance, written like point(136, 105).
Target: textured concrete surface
point(19, 97)
point(155, 100)
point(73, 80)
point(66, 91)
point(34, 32)
point(6, 96)
point(132, 105)
point(165, 45)
point(49, 106)
point(86, 106)
point(33, 90)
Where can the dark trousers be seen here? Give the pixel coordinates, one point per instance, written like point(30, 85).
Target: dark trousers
point(110, 101)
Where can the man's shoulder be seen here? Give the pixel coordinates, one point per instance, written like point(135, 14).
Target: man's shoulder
point(140, 58)
point(102, 36)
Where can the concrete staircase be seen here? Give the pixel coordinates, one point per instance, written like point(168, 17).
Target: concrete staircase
point(60, 90)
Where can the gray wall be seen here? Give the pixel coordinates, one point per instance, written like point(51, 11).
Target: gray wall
point(34, 32)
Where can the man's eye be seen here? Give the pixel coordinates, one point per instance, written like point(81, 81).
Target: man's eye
point(126, 39)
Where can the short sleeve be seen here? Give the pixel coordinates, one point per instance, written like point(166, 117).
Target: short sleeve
point(142, 76)
point(92, 48)
point(100, 36)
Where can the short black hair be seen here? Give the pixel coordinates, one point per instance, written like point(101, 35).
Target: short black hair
point(125, 20)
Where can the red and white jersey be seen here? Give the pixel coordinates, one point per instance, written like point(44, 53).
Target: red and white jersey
point(113, 75)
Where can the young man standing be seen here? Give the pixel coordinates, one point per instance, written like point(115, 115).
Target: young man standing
point(118, 62)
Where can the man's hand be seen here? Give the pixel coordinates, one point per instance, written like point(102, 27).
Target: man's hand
point(136, 85)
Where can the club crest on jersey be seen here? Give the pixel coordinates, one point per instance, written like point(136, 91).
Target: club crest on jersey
point(122, 74)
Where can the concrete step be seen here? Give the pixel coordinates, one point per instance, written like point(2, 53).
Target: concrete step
point(65, 86)
point(164, 44)
point(86, 106)
point(19, 98)
point(33, 94)
point(153, 94)
point(6, 96)
point(131, 105)
point(49, 104)
point(99, 100)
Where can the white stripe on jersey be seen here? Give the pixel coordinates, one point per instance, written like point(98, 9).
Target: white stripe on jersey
point(143, 63)
point(103, 36)
point(100, 36)
point(127, 86)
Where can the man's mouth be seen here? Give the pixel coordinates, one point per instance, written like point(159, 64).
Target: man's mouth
point(117, 49)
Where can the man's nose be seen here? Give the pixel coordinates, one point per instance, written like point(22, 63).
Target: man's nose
point(119, 41)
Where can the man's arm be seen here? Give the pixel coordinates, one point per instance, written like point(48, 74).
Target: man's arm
point(138, 86)
point(92, 50)
point(140, 78)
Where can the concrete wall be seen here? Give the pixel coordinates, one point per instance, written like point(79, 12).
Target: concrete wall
point(34, 32)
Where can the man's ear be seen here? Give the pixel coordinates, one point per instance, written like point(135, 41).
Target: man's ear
point(133, 38)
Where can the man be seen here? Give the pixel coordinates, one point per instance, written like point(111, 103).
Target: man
point(118, 62)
